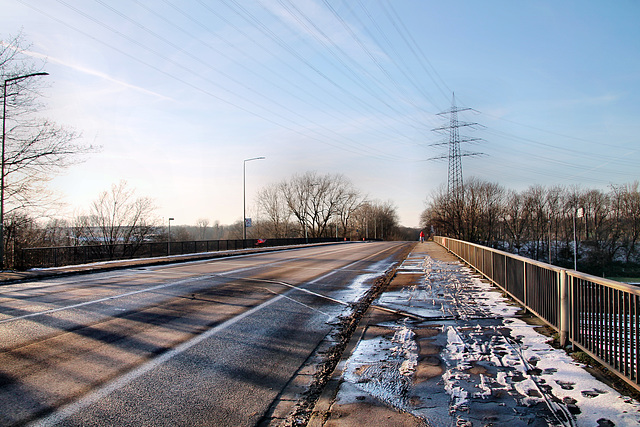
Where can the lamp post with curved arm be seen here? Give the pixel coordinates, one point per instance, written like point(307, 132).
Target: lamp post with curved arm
point(4, 120)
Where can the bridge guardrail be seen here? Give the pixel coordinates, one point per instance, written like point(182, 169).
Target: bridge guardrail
point(597, 315)
point(83, 254)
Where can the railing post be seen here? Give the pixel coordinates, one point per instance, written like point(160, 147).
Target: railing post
point(525, 298)
point(564, 309)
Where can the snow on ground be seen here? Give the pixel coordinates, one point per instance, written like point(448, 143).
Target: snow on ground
point(545, 366)
point(493, 367)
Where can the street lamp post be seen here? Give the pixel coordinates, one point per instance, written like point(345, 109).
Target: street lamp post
point(578, 213)
point(169, 237)
point(4, 120)
point(244, 197)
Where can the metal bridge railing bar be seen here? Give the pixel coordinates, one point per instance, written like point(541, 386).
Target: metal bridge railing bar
point(597, 315)
point(71, 255)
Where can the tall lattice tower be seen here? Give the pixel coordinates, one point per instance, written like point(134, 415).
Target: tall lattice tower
point(454, 179)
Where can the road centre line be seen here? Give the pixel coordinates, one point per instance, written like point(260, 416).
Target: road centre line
point(180, 282)
point(153, 269)
point(347, 267)
point(69, 410)
point(129, 271)
point(323, 251)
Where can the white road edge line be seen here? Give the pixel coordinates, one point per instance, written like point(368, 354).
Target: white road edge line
point(71, 409)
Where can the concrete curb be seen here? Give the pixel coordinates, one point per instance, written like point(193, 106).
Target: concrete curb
point(323, 405)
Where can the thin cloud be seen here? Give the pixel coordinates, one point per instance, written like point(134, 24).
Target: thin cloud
point(590, 100)
point(91, 72)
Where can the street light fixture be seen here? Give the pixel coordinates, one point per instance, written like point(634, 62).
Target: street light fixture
point(244, 197)
point(169, 238)
point(4, 120)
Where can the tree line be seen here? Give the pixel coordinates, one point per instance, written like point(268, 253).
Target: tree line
point(323, 205)
point(308, 205)
point(539, 222)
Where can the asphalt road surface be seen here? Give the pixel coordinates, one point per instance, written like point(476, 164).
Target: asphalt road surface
point(201, 343)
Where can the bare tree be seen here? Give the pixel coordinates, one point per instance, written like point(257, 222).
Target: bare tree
point(629, 196)
point(473, 216)
point(315, 199)
point(35, 148)
point(273, 206)
point(202, 224)
point(539, 222)
point(554, 206)
point(535, 202)
point(602, 228)
point(376, 219)
point(117, 216)
point(346, 207)
point(318, 203)
point(438, 214)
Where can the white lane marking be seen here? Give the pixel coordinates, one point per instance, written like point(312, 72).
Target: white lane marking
point(348, 266)
point(316, 280)
point(71, 409)
point(299, 302)
point(297, 288)
point(109, 298)
point(165, 285)
point(159, 269)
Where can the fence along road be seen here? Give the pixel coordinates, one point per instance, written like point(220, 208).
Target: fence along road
point(201, 343)
point(56, 256)
point(599, 316)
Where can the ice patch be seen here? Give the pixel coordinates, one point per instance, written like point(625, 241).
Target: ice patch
point(381, 266)
point(384, 367)
point(455, 345)
point(356, 290)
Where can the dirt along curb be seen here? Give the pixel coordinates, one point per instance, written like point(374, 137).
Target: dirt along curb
point(295, 406)
point(370, 412)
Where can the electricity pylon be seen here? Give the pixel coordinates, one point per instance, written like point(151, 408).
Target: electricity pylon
point(455, 181)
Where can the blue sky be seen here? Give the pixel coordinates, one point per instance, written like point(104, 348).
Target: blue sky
point(178, 94)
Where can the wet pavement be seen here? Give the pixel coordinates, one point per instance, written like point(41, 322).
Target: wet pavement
point(440, 347)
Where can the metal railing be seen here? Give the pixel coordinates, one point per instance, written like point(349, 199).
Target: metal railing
point(597, 315)
point(71, 255)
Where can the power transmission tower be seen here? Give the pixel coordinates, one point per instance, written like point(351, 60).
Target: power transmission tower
point(454, 179)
